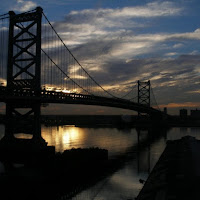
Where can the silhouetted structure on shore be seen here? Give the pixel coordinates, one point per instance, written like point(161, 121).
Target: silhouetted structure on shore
point(176, 174)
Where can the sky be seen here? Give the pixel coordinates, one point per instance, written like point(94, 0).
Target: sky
point(126, 41)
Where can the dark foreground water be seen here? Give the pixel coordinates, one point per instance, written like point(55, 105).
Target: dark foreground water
point(143, 148)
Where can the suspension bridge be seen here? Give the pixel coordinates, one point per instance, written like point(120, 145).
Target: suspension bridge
point(36, 67)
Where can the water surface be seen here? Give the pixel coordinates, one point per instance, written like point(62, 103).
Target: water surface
point(123, 184)
point(143, 149)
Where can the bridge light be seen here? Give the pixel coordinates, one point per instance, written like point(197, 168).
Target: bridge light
point(58, 90)
point(66, 91)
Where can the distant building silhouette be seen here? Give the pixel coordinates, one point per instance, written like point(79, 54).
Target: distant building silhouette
point(183, 113)
point(195, 113)
point(165, 110)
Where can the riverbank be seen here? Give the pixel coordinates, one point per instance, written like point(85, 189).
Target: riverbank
point(176, 175)
point(44, 174)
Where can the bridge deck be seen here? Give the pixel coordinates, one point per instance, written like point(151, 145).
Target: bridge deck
point(29, 96)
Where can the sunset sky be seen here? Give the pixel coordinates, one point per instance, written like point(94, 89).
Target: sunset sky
point(126, 41)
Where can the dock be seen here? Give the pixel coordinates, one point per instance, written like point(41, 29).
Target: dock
point(176, 175)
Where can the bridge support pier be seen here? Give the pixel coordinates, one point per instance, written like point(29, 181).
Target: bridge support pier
point(22, 142)
point(23, 119)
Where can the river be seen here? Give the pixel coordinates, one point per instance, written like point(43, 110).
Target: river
point(144, 150)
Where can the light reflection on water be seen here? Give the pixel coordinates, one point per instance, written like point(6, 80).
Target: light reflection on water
point(124, 183)
point(65, 137)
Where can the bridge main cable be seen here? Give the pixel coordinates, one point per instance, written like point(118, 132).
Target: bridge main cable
point(4, 16)
point(154, 97)
point(77, 60)
point(65, 73)
point(129, 92)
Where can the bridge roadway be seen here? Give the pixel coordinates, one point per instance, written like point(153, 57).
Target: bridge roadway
point(28, 96)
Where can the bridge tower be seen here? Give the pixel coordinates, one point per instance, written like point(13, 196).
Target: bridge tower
point(143, 95)
point(23, 74)
point(24, 51)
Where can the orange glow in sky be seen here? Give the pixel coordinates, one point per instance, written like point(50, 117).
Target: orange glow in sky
point(180, 105)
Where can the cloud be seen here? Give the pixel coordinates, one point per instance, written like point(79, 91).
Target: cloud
point(171, 54)
point(194, 91)
point(23, 6)
point(117, 48)
point(171, 79)
point(114, 64)
point(114, 32)
point(178, 45)
point(79, 27)
point(64, 3)
point(153, 9)
point(188, 35)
